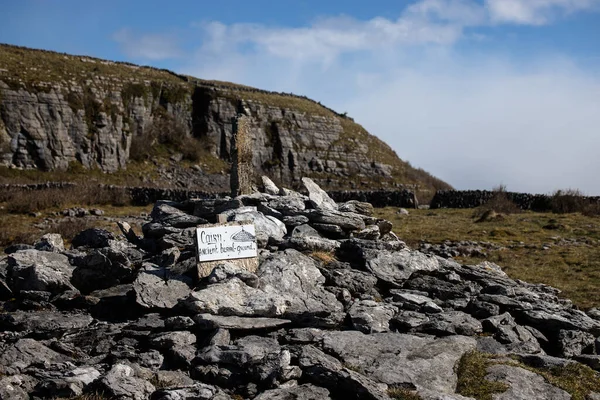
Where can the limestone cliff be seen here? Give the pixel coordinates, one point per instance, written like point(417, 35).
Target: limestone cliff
point(58, 109)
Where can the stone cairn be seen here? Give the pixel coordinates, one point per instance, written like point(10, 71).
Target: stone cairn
point(339, 308)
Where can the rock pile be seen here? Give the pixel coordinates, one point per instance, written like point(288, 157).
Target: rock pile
point(339, 308)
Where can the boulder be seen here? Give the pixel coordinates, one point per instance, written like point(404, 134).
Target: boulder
point(17, 357)
point(269, 186)
point(93, 238)
point(369, 316)
point(523, 384)
point(318, 197)
point(52, 242)
point(167, 215)
point(357, 207)
point(291, 288)
point(306, 238)
point(43, 323)
point(345, 220)
point(401, 360)
point(196, 391)
point(39, 270)
point(161, 292)
point(301, 392)
point(121, 382)
point(396, 267)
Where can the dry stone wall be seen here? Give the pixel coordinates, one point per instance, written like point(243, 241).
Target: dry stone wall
point(476, 198)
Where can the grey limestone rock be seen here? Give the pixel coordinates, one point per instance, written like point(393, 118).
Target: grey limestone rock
point(357, 282)
point(162, 292)
point(318, 197)
point(268, 225)
point(39, 270)
point(400, 359)
point(43, 323)
point(209, 321)
point(369, 316)
point(357, 207)
point(104, 268)
point(306, 238)
point(269, 185)
point(16, 357)
point(121, 382)
point(196, 391)
point(326, 371)
point(50, 242)
point(291, 288)
point(396, 267)
point(369, 233)
point(523, 384)
point(300, 392)
point(225, 271)
point(345, 220)
point(93, 238)
point(574, 343)
point(168, 215)
point(451, 323)
point(14, 387)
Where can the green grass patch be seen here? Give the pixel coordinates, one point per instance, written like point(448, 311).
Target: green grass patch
point(471, 372)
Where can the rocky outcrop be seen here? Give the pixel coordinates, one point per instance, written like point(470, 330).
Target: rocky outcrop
point(325, 315)
point(75, 114)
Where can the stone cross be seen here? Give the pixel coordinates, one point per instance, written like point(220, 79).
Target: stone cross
point(242, 169)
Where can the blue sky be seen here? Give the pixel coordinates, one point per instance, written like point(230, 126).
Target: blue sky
point(476, 92)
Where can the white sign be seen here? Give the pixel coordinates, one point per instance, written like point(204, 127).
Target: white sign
point(226, 242)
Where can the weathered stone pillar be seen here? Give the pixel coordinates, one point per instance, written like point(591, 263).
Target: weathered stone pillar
point(242, 169)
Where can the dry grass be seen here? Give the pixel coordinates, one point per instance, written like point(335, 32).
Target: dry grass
point(323, 257)
point(573, 268)
point(403, 394)
point(19, 201)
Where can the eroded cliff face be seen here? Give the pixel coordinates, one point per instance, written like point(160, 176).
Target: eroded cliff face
point(59, 110)
point(48, 130)
point(93, 126)
point(288, 143)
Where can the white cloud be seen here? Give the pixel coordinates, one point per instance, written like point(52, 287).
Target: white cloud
point(535, 12)
point(153, 47)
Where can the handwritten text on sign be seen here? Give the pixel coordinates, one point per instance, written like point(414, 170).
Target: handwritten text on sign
point(226, 242)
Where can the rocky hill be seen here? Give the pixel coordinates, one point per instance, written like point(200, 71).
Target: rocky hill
point(338, 308)
point(58, 111)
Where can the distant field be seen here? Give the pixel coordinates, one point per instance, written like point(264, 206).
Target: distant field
point(561, 250)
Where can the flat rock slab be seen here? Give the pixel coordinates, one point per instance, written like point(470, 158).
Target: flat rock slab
point(39, 270)
point(25, 352)
point(400, 359)
point(301, 392)
point(209, 321)
point(396, 267)
point(523, 384)
point(152, 291)
point(43, 321)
